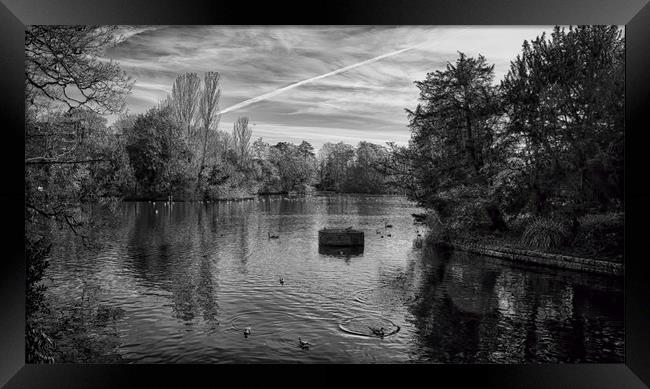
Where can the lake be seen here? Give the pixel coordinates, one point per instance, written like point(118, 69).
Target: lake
point(180, 283)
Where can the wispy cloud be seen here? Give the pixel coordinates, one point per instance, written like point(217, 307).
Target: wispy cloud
point(312, 79)
point(315, 83)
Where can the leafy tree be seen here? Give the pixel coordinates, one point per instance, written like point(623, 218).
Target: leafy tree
point(453, 138)
point(158, 155)
point(296, 168)
point(260, 149)
point(335, 161)
point(210, 117)
point(565, 97)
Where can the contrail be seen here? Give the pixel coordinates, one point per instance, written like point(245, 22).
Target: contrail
point(296, 84)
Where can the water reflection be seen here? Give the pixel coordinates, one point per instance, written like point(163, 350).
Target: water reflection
point(341, 252)
point(186, 277)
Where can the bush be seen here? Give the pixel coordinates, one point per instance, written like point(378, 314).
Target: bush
point(602, 233)
point(546, 234)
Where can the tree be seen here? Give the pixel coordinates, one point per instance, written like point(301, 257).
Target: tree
point(335, 161)
point(63, 66)
point(565, 99)
point(260, 149)
point(366, 175)
point(158, 154)
point(241, 135)
point(295, 169)
point(185, 98)
point(209, 113)
point(453, 138)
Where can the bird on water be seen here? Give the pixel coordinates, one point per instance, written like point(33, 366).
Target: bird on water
point(247, 332)
point(381, 332)
point(302, 344)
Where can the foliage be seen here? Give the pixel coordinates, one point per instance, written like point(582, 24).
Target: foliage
point(565, 99)
point(295, 165)
point(602, 233)
point(546, 234)
point(546, 142)
point(64, 66)
point(354, 169)
point(68, 84)
point(158, 155)
point(454, 142)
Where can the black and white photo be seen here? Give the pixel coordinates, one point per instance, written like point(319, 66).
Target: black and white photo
point(324, 194)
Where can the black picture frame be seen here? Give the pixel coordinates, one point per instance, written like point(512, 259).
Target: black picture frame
point(634, 14)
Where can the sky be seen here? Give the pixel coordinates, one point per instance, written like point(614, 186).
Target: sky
point(315, 83)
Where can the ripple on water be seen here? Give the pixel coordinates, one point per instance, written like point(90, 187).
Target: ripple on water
point(263, 322)
point(363, 326)
point(289, 338)
point(381, 296)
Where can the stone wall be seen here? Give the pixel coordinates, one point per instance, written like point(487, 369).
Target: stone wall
point(545, 259)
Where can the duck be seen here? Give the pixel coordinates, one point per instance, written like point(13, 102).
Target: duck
point(273, 236)
point(247, 332)
point(387, 225)
point(389, 235)
point(302, 344)
point(381, 332)
point(281, 280)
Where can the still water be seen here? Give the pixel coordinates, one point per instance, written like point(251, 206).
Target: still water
point(180, 283)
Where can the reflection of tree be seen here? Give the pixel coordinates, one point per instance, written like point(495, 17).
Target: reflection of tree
point(205, 288)
point(244, 249)
point(175, 257)
point(471, 310)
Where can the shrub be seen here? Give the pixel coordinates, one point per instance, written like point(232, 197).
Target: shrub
point(546, 234)
point(602, 233)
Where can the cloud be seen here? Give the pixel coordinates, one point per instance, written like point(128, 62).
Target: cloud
point(344, 82)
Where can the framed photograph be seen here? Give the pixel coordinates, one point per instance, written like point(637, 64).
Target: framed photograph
point(397, 190)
